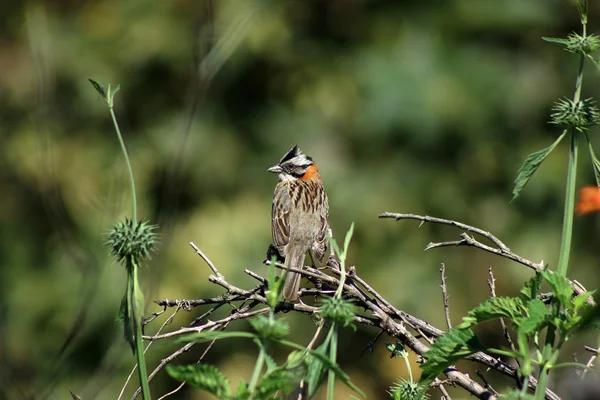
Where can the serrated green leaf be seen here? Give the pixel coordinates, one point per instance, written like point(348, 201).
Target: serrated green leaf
point(560, 286)
point(531, 164)
point(321, 354)
point(98, 88)
point(271, 364)
point(580, 300)
point(531, 288)
point(559, 41)
point(284, 379)
point(495, 307)
point(537, 316)
point(242, 392)
point(201, 376)
point(454, 345)
point(595, 161)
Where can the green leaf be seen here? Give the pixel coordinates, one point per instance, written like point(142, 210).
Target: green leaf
point(113, 93)
point(495, 307)
point(531, 288)
point(284, 379)
point(560, 286)
point(454, 345)
point(98, 88)
point(595, 161)
point(347, 239)
point(316, 372)
point(559, 41)
point(74, 396)
point(201, 376)
point(538, 316)
point(594, 60)
point(125, 321)
point(531, 164)
point(321, 354)
point(580, 300)
point(242, 392)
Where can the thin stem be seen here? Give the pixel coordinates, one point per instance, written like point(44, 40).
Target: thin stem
point(567, 232)
point(332, 358)
point(257, 370)
point(410, 375)
point(133, 196)
point(540, 390)
point(132, 288)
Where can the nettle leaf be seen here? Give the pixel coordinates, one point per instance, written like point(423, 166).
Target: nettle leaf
point(531, 288)
point(449, 348)
point(282, 379)
point(495, 307)
point(538, 316)
point(531, 164)
point(560, 286)
point(201, 376)
point(579, 301)
point(560, 41)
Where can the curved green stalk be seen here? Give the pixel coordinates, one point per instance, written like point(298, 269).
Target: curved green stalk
point(131, 181)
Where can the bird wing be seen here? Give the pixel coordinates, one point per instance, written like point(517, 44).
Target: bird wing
point(280, 211)
point(320, 245)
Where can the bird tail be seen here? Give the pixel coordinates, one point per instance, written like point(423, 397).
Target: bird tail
point(291, 283)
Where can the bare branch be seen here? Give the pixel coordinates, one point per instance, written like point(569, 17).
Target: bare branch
point(492, 286)
point(445, 296)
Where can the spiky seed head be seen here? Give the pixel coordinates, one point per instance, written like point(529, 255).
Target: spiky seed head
point(132, 240)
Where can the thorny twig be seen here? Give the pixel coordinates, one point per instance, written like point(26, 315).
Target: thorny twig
point(380, 313)
point(501, 249)
point(492, 286)
point(445, 295)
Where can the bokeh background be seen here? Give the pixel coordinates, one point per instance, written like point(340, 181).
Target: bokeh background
point(426, 107)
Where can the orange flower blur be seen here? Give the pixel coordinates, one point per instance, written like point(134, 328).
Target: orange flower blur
point(589, 200)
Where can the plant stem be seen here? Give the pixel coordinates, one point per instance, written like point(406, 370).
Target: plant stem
point(332, 358)
point(132, 288)
point(133, 196)
point(567, 232)
point(565, 244)
point(257, 370)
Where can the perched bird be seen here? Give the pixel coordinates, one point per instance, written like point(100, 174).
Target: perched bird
point(299, 216)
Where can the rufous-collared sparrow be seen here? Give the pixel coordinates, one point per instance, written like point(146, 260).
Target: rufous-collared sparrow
point(299, 216)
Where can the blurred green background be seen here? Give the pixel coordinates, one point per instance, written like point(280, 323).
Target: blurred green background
point(426, 107)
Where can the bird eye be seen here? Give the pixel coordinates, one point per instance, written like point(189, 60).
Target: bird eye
point(292, 165)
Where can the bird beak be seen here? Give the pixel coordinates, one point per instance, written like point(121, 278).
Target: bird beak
point(276, 169)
